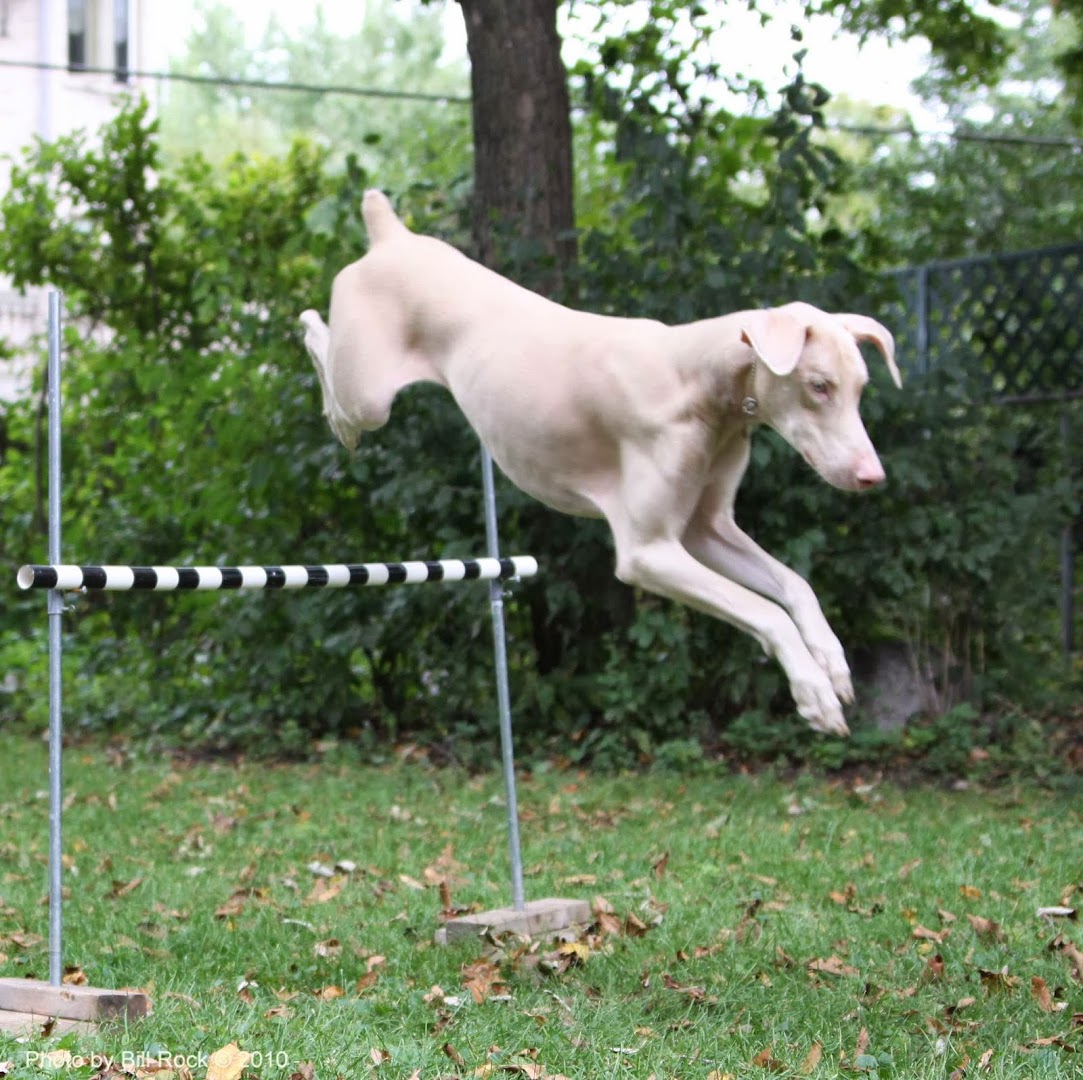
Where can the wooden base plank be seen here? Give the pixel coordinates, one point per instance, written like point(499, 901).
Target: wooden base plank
point(41, 999)
point(539, 917)
point(29, 1025)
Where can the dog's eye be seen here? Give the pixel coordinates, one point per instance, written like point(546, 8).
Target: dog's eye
point(820, 387)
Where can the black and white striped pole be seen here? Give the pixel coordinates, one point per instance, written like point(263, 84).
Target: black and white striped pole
point(319, 576)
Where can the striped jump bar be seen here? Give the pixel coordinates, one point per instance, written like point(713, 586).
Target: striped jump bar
point(330, 576)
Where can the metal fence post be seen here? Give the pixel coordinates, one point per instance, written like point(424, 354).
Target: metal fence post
point(55, 612)
point(1067, 554)
point(503, 696)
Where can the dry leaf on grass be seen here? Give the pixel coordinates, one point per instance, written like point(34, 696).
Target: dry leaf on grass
point(832, 965)
point(123, 888)
point(766, 1059)
point(227, 1063)
point(1069, 949)
point(997, 980)
point(812, 1059)
point(985, 928)
point(1058, 911)
point(483, 978)
point(923, 933)
point(695, 993)
point(323, 890)
point(1041, 994)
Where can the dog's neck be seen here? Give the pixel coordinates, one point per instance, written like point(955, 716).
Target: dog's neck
point(711, 353)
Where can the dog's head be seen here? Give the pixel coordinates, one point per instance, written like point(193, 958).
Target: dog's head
point(810, 387)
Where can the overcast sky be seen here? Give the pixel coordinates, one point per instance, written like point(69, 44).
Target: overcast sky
point(878, 73)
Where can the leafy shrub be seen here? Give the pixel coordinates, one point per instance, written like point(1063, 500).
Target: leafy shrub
point(193, 434)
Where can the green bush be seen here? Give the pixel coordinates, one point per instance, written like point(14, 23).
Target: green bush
point(193, 434)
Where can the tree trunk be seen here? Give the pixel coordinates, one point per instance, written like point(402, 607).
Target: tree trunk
point(523, 202)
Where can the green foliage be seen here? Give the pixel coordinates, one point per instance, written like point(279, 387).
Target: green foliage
point(1010, 183)
point(398, 49)
point(193, 434)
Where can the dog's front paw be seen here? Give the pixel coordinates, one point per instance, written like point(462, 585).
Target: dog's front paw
point(837, 670)
point(818, 702)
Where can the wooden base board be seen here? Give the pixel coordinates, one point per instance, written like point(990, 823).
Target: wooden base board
point(537, 919)
point(23, 1025)
point(26, 1005)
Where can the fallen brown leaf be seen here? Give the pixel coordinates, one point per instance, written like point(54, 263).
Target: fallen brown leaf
point(765, 1059)
point(379, 1056)
point(323, 890)
point(1041, 993)
point(695, 993)
point(985, 928)
point(25, 940)
point(923, 933)
point(812, 1059)
point(228, 1063)
point(862, 1043)
point(934, 969)
point(985, 1062)
point(970, 892)
point(305, 1071)
point(833, 965)
point(454, 1055)
point(1053, 1040)
point(845, 896)
point(367, 981)
point(997, 980)
point(123, 888)
point(482, 978)
point(233, 906)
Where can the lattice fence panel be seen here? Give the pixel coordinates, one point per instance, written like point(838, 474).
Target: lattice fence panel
point(1013, 322)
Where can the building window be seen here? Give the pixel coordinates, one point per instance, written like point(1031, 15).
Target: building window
point(95, 41)
point(78, 34)
point(120, 40)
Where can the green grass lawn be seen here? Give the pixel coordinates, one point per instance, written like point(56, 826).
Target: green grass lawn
point(745, 926)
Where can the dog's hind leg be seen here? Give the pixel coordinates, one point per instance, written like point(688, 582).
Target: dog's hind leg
point(318, 344)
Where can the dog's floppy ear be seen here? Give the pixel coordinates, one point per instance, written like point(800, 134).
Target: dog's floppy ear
point(865, 329)
point(778, 336)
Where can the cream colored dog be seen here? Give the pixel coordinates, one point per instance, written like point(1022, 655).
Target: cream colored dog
point(643, 424)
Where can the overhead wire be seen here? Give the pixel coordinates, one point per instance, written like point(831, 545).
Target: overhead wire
point(1069, 142)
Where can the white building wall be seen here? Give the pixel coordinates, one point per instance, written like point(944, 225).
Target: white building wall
point(50, 101)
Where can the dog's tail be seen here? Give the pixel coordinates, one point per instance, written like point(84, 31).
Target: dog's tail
point(380, 219)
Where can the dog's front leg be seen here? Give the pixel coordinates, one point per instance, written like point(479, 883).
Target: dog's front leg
point(663, 566)
point(720, 544)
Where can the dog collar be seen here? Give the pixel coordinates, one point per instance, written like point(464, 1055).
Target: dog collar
point(750, 403)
